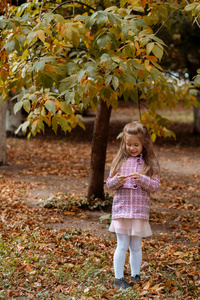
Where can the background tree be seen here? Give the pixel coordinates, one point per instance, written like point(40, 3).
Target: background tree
point(182, 35)
point(3, 134)
point(68, 56)
point(4, 68)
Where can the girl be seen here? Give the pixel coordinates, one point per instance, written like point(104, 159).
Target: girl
point(134, 174)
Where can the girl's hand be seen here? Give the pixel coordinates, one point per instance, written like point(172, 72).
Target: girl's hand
point(135, 176)
point(121, 178)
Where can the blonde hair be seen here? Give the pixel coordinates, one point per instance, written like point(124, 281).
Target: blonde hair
point(151, 164)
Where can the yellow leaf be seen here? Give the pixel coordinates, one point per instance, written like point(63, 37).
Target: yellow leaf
point(148, 284)
point(41, 35)
point(25, 54)
point(57, 103)
point(157, 287)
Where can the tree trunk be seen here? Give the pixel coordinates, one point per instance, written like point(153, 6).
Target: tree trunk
point(98, 155)
point(196, 128)
point(3, 133)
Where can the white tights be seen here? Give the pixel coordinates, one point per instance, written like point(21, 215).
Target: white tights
point(123, 243)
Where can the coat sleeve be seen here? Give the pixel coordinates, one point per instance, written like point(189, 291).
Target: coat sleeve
point(112, 182)
point(149, 184)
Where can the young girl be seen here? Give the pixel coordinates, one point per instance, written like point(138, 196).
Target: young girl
point(134, 174)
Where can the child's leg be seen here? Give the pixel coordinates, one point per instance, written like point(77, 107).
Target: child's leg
point(135, 254)
point(120, 254)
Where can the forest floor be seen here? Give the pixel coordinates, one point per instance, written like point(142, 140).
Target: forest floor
point(46, 175)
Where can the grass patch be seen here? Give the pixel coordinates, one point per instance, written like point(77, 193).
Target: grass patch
point(179, 115)
point(65, 202)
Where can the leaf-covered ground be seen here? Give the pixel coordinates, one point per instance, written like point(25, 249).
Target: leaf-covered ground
point(60, 251)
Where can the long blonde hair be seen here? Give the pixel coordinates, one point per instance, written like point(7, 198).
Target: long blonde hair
point(151, 164)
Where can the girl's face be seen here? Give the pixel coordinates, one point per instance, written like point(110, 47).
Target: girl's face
point(133, 145)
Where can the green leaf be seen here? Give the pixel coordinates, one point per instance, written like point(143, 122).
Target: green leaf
point(59, 18)
point(197, 81)
point(134, 95)
point(9, 46)
point(63, 124)
point(105, 58)
point(149, 48)
point(103, 41)
point(38, 66)
point(126, 95)
point(50, 106)
point(155, 74)
point(55, 124)
point(108, 80)
point(26, 105)
point(48, 17)
point(66, 108)
point(106, 92)
point(75, 40)
point(33, 98)
point(102, 18)
point(125, 31)
point(25, 125)
point(2, 24)
point(34, 127)
point(137, 65)
point(90, 21)
point(157, 51)
point(31, 36)
point(94, 103)
point(129, 51)
point(111, 19)
point(71, 68)
point(190, 6)
point(17, 107)
point(82, 125)
point(80, 75)
point(41, 125)
point(115, 82)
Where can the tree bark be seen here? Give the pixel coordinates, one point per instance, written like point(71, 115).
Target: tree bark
point(196, 127)
point(98, 154)
point(3, 133)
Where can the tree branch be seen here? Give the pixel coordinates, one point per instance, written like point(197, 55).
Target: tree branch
point(139, 109)
point(73, 8)
point(41, 10)
point(72, 1)
point(168, 19)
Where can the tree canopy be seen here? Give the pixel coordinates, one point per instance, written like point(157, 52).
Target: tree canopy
point(62, 57)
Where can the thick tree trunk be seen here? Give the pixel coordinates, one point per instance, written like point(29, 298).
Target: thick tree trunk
point(196, 128)
point(98, 155)
point(3, 133)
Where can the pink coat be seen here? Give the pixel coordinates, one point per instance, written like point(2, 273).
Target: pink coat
point(132, 200)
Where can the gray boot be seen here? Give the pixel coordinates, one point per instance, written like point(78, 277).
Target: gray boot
point(135, 278)
point(121, 283)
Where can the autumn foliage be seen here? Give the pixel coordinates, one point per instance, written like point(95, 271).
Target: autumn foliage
point(63, 57)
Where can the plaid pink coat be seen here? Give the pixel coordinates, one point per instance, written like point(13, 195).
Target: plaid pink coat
point(132, 200)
